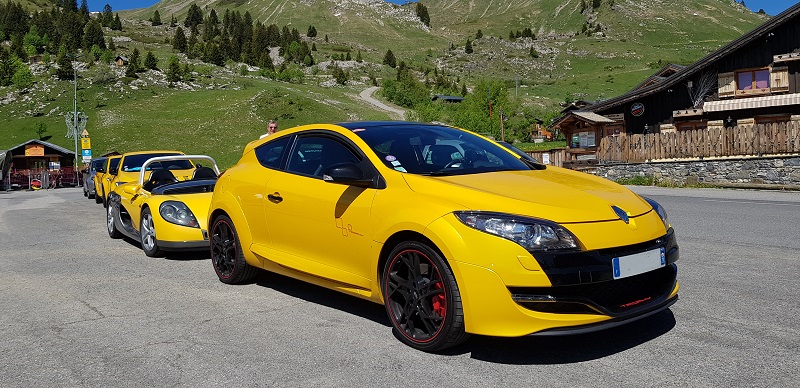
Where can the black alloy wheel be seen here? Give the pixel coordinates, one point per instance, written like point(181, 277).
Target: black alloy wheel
point(226, 253)
point(422, 298)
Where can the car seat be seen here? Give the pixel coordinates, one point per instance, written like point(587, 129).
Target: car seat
point(442, 154)
point(204, 173)
point(158, 178)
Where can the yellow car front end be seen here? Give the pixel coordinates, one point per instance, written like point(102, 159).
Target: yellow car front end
point(161, 211)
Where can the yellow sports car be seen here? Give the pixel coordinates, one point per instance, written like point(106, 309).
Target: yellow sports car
point(102, 180)
point(131, 164)
point(451, 232)
point(159, 210)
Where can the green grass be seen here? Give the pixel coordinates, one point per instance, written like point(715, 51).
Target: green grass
point(544, 146)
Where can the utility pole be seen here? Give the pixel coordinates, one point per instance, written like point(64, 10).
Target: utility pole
point(76, 122)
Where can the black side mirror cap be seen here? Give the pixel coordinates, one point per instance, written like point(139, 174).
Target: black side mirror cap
point(349, 174)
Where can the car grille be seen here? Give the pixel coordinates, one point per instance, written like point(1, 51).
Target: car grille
point(619, 297)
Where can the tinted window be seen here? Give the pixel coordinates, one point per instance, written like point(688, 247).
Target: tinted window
point(98, 164)
point(269, 154)
point(113, 164)
point(135, 162)
point(314, 154)
point(436, 150)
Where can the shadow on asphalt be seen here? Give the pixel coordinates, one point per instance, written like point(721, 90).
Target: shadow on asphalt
point(568, 349)
point(519, 350)
point(323, 296)
point(176, 255)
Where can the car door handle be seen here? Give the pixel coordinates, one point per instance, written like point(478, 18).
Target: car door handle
point(276, 197)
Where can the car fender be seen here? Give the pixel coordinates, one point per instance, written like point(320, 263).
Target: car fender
point(224, 201)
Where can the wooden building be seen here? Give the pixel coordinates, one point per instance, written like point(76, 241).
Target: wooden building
point(753, 80)
point(41, 155)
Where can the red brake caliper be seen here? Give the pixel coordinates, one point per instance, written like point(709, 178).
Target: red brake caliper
point(439, 302)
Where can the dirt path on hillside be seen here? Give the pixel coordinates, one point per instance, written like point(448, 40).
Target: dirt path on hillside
point(395, 111)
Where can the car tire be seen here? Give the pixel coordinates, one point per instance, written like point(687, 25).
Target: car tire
point(147, 232)
point(98, 198)
point(111, 224)
point(227, 255)
point(422, 298)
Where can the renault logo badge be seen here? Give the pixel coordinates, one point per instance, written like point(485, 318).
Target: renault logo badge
point(621, 214)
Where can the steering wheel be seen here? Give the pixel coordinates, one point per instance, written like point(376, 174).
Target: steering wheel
point(452, 164)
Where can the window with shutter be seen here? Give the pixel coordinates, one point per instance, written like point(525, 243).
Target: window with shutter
point(779, 79)
point(727, 84)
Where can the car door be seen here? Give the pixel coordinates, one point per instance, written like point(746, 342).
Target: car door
point(319, 227)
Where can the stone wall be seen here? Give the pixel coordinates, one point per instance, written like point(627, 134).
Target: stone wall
point(780, 171)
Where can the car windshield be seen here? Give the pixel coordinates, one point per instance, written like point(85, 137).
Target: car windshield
point(135, 162)
point(427, 149)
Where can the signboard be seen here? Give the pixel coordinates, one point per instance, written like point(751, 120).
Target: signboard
point(86, 143)
point(545, 158)
point(587, 139)
point(87, 155)
point(637, 109)
point(54, 165)
point(34, 150)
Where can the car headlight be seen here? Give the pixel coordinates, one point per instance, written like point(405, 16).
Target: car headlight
point(178, 213)
point(660, 210)
point(533, 234)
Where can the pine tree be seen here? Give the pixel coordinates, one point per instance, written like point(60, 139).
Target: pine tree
point(93, 35)
point(194, 17)
point(179, 40)
point(156, 19)
point(312, 32)
point(479, 34)
point(133, 61)
point(65, 69)
point(150, 61)
point(117, 25)
point(173, 70)
point(358, 57)
point(422, 14)
point(468, 47)
point(107, 17)
point(389, 59)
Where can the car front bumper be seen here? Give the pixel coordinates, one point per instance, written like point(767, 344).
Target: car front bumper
point(506, 291)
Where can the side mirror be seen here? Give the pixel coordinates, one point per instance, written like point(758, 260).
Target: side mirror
point(346, 174)
point(129, 189)
point(113, 171)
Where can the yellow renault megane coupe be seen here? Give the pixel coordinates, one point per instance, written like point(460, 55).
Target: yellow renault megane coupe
point(452, 233)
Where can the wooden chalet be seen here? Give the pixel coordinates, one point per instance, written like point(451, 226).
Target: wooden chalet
point(753, 80)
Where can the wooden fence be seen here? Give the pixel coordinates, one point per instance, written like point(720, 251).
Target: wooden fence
point(746, 140)
point(556, 156)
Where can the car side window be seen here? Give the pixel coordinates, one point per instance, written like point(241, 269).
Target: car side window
point(314, 154)
point(270, 154)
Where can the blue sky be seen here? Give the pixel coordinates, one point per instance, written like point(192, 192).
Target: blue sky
point(772, 7)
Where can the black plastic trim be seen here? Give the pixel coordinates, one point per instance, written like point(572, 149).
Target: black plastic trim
point(614, 322)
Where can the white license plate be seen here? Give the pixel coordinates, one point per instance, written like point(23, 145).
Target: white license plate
point(638, 263)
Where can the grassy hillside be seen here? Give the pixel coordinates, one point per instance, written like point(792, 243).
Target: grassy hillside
point(625, 40)
point(218, 117)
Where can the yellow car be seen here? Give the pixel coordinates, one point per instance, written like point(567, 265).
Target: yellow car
point(102, 180)
point(131, 163)
point(159, 210)
point(452, 233)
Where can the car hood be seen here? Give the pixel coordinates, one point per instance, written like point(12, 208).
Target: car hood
point(556, 194)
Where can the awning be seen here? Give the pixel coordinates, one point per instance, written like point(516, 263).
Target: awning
point(752, 103)
point(592, 117)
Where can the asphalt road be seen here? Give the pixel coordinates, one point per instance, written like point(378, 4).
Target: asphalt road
point(80, 309)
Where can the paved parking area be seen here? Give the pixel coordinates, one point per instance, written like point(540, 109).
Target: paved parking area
point(80, 309)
